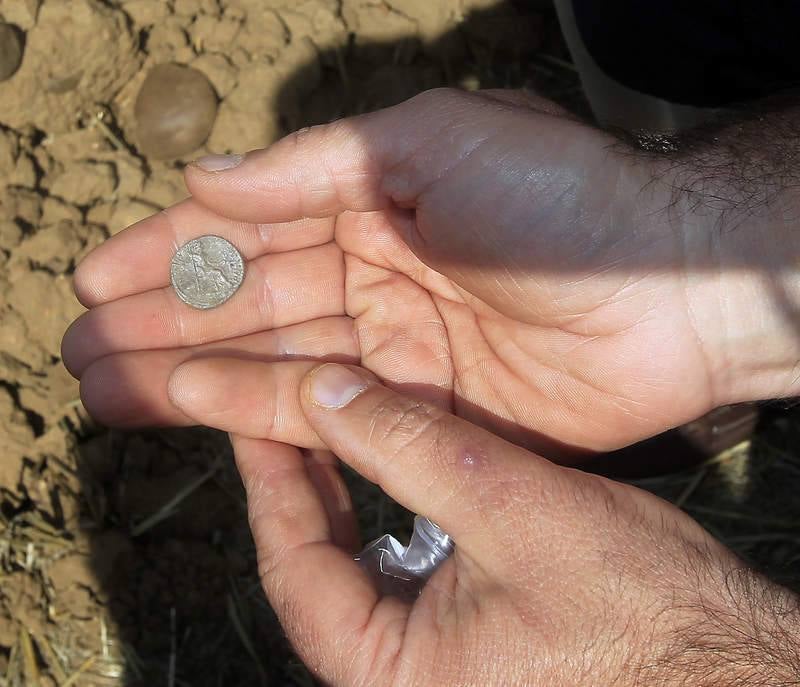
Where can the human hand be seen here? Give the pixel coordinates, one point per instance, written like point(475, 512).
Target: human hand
point(558, 577)
point(484, 251)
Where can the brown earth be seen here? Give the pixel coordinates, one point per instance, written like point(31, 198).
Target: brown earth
point(120, 553)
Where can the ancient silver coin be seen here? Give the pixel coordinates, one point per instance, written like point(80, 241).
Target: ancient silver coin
point(206, 272)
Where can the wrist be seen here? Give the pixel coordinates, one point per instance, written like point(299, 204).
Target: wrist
point(743, 297)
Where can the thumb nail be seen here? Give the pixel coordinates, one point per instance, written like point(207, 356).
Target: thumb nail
point(218, 163)
point(334, 386)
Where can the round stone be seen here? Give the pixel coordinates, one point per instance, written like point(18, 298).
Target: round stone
point(175, 111)
point(10, 50)
point(206, 272)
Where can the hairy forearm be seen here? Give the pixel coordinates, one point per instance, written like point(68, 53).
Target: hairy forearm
point(745, 632)
point(731, 189)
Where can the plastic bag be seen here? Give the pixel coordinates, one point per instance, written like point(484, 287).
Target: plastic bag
point(402, 571)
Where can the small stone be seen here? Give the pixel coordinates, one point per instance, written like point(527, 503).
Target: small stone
point(175, 111)
point(10, 50)
point(78, 54)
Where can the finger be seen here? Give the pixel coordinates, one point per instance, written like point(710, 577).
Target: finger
point(245, 397)
point(361, 163)
point(130, 389)
point(138, 258)
point(468, 481)
point(278, 290)
point(327, 606)
point(324, 472)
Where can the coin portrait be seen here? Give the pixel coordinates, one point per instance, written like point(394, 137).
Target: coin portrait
point(206, 272)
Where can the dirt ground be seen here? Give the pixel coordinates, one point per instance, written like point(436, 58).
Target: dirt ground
point(125, 559)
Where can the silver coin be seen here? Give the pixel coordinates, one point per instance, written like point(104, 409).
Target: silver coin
point(206, 272)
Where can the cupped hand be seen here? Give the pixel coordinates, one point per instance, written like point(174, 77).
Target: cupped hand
point(558, 577)
point(484, 251)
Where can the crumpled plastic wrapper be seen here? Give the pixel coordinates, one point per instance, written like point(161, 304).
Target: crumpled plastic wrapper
point(402, 571)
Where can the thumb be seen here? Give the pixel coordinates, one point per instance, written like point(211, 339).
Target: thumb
point(467, 480)
point(361, 163)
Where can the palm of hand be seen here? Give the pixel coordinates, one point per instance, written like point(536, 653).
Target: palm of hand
point(582, 359)
point(544, 314)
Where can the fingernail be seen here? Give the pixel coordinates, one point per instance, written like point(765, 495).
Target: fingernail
point(218, 163)
point(334, 386)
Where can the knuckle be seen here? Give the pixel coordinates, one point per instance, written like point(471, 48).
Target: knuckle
point(501, 495)
point(399, 422)
point(263, 295)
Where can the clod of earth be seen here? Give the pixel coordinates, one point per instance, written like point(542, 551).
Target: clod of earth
point(175, 111)
point(10, 50)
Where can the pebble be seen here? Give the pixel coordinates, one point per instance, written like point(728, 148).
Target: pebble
point(10, 50)
point(175, 111)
